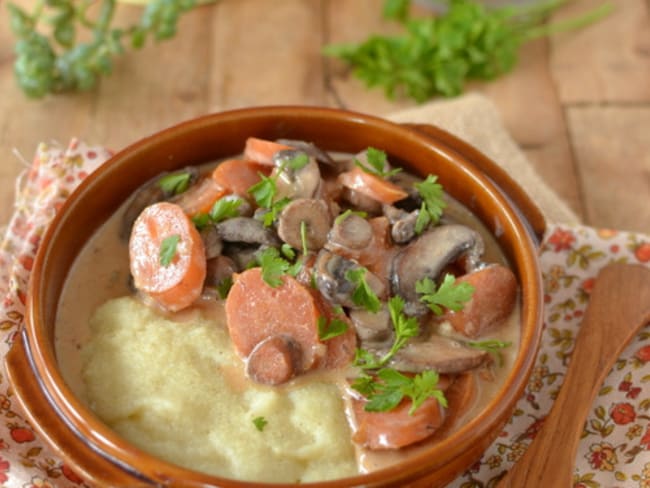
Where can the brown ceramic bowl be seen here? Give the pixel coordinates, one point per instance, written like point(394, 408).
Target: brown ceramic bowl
point(101, 456)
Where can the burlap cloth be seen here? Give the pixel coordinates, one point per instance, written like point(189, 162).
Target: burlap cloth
point(615, 448)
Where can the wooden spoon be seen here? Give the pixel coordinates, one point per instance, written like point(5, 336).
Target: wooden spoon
point(619, 306)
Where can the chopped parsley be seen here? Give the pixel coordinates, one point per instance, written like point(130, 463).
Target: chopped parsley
point(225, 208)
point(333, 328)
point(433, 203)
point(377, 164)
point(341, 217)
point(175, 183)
point(492, 346)
point(362, 295)
point(303, 236)
point(168, 249)
point(449, 294)
point(224, 286)
point(260, 423)
point(275, 266)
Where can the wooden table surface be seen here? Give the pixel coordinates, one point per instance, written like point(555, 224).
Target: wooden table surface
point(577, 104)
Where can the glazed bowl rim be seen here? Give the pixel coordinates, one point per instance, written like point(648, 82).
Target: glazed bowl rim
point(85, 422)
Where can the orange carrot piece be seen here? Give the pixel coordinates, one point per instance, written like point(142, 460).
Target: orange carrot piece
point(200, 197)
point(262, 151)
point(372, 186)
point(396, 428)
point(494, 297)
point(238, 175)
point(256, 311)
point(178, 283)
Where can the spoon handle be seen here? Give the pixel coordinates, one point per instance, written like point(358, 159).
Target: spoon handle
point(618, 307)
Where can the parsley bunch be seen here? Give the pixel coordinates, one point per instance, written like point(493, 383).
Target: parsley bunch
point(58, 62)
point(436, 55)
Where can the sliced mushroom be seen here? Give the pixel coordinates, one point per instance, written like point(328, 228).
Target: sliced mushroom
point(359, 201)
point(308, 218)
point(351, 232)
point(243, 255)
point(374, 330)
point(295, 183)
point(211, 241)
point(311, 150)
point(445, 355)
point(428, 255)
point(247, 230)
point(330, 270)
point(275, 360)
point(402, 223)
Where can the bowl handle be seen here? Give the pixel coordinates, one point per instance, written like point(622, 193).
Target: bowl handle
point(39, 412)
point(522, 203)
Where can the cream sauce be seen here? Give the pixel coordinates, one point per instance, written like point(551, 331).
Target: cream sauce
point(101, 272)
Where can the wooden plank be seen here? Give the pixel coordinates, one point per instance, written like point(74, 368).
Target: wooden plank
point(266, 53)
point(608, 61)
point(612, 148)
point(531, 112)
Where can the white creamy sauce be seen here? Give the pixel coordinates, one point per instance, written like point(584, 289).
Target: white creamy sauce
point(101, 273)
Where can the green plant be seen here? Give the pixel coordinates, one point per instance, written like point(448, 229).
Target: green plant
point(436, 55)
point(50, 58)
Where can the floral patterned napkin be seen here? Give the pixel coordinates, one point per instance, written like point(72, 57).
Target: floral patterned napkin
point(615, 449)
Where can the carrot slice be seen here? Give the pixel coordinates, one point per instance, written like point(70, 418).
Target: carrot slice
point(256, 311)
point(396, 428)
point(372, 186)
point(262, 151)
point(177, 283)
point(200, 197)
point(494, 297)
point(238, 175)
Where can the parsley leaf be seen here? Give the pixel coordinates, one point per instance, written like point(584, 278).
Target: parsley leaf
point(341, 217)
point(449, 294)
point(433, 202)
point(225, 208)
point(492, 346)
point(260, 423)
point(331, 329)
point(377, 163)
point(298, 162)
point(201, 220)
point(168, 249)
point(224, 287)
point(362, 295)
point(264, 191)
point(391, 386)
point(274, 267)
point(175, 183)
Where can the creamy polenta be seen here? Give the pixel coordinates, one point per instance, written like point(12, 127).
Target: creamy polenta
point(177, 390)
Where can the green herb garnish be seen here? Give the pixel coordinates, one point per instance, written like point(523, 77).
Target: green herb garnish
point(436, 55)
point(260, 423)
point(225, 208)
point(224, 286)
point(377, 163)
point(201, 220)
point(341, 217)
point(175, 183)
point(51, 58)
point(168, 249)
point(362, 295)
point(449, 294)
point(433, 202)
point(274, 267)
point(264, 191)
point(303, 237)
point(333, 328)
point(492, 346)
point(298, 162)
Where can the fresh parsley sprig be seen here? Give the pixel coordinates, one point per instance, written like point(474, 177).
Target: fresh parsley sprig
point(275, 266)
point(168, 249)
point(175, 183)
point(329, 329)
point(436, 55)
point(493, 346)
point(363, 295)
point(433, 202)
point(377, 164)
point(450, 294)
point(51, 59)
